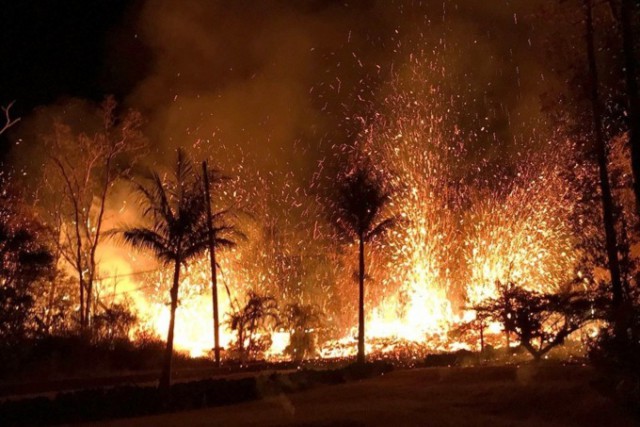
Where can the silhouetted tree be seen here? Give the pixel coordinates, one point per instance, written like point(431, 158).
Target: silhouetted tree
point(539, 321)
point(301, 321)
point(114, 322)
point(177, 231)
point(360, 199)
point(54, 304)
point(25, 258)
point(475, 327)
point(219, 236)
point(80, 173)
point(618, 357)
point(258, 313)
point(608, 204)
point(628, 14)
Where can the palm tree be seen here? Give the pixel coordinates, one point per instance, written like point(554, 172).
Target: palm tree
point(177, 230)
point(359, 204)
point(256, 314)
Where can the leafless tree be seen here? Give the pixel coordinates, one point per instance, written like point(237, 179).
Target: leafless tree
point(81, 171)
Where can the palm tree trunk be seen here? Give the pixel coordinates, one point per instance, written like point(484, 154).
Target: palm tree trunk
point(165, 376)
point(361, 355)
point(252, 326)
point(605, 186)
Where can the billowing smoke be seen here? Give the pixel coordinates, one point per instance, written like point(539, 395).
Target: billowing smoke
point(273, 91)
point(279, 80)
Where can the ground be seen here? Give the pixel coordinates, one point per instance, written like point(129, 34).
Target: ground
point(506, 396)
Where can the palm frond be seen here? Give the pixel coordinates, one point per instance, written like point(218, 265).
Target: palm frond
point(382, 228)
point(359, 201)
point(148, 239)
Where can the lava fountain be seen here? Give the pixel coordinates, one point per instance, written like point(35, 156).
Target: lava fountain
point(466, 223)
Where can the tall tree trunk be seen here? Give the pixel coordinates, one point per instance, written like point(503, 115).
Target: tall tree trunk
point(80, 269)
point(627, 12)
point(50, 300)
point(89, 298)
point(94, 241)
point(165, 376)
point(212, 259)
point(605, 187)
point(82, 324)
point(361, 355)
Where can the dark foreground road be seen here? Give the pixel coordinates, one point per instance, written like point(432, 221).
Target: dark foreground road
point(526, 396)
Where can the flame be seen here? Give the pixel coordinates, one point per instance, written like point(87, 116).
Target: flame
point(460, 233)
point(417, 291)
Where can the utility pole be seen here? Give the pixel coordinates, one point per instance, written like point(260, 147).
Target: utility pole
point(212, 257)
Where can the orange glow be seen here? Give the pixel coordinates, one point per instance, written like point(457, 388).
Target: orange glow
point(459, 234)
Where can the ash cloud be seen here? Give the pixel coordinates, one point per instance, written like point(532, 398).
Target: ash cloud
point(280, 81)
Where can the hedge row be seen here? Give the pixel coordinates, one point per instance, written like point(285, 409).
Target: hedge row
point(135, 401)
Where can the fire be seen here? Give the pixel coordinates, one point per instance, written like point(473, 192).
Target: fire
point(459, 234)
point(418, 290)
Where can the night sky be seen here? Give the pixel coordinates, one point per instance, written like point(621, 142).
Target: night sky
point(263, 76)
point(51, 49)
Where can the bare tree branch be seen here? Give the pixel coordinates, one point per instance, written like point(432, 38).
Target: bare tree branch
point(8, 121)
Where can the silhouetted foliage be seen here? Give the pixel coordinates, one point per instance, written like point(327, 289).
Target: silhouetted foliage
point(79, 175)
point(252, 324)
point(177, 230)
point(475, 328)
point(113, 323)
point(360, 200)
point(540, 321)
point(25, 259)
point(616, 353)
point(55, 307)
point(302, 321)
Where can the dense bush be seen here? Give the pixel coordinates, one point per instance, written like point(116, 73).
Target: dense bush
point(73, 355)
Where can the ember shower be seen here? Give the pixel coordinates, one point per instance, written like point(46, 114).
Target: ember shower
point(465, 226)
point(278, 95)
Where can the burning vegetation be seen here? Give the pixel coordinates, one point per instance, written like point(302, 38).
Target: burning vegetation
point(413, 229)
point(439, 241)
